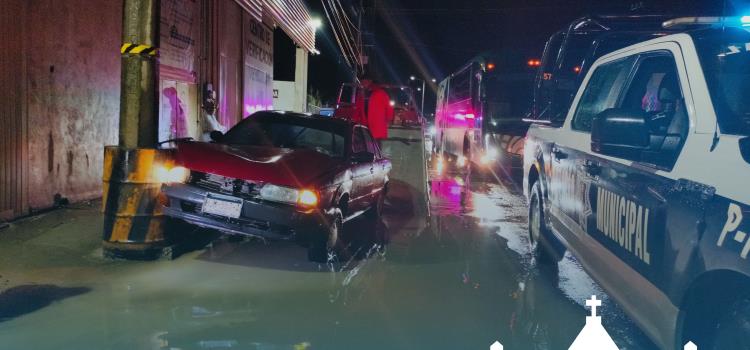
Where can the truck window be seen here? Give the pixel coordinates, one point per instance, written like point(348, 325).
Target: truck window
point(346, 95)
point(460, 87)
point(602, 92)
point(655, 91)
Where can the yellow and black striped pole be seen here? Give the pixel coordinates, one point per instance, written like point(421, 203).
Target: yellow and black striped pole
point(138, 49)
point(133, 224)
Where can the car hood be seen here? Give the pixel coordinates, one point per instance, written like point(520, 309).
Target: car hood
point(281, 166)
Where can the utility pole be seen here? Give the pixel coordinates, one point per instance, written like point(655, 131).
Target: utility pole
point(138, 114)
point(133, 222)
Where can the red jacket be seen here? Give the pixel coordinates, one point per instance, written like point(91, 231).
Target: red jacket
point(379, 113)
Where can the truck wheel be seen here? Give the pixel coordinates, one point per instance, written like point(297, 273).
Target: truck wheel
point(538, 231)
point(326, 246)
point(733, 329)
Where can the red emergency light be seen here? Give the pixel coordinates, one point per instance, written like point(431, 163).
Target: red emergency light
point(534, 62)
point(577, 69)
point(490, 66)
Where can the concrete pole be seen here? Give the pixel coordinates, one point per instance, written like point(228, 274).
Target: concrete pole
point(138, 108)
point(422, 109)
point(133, 219)
point(300, 80)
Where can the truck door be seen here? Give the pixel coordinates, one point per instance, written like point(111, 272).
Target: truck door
point(567, 190)
point(634, 208)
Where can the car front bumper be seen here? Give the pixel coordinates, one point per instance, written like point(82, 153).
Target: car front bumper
point(257, 218)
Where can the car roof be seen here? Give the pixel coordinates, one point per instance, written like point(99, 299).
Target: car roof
point(304, 119)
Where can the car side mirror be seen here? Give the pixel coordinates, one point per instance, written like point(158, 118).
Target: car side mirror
point(216, 135)
point(620, 133)
point(363, 157)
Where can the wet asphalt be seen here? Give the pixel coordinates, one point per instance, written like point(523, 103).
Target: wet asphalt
point(461, 279)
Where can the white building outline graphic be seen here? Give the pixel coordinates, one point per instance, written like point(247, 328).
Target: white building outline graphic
point(593, 336)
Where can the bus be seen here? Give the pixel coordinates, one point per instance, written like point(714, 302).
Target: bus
point(480, 110)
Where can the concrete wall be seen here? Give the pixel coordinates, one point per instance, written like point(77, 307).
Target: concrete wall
point(284, 98)
point(73, 95)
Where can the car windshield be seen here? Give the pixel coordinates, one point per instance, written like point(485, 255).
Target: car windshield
point(725, 57)
point(286, 133)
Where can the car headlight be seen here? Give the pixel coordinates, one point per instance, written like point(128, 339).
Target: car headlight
point(166, 174)
point(288, 195)
point(279, 194)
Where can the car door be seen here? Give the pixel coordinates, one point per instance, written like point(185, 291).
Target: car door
point(377, 167)
point(359, 198)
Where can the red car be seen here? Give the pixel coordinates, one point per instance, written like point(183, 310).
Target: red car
point(279, 175)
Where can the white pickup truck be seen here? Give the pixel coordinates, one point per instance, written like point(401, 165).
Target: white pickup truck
point(647, 183)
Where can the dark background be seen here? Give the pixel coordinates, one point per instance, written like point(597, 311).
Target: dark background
point(431, 39)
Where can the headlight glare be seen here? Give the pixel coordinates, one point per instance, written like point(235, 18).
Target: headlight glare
point(308, 198)
point(165, 174)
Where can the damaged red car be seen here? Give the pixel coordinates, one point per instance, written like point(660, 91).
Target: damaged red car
point(279, 175)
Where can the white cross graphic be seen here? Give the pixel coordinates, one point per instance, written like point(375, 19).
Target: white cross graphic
point(593, 303)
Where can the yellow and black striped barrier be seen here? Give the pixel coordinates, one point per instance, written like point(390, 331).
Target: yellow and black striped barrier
point(138, 50)
point(133, 222)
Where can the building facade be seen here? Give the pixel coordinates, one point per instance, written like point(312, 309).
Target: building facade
point(61, 78)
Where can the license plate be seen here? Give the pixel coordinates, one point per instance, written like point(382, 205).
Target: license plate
point(231, 208)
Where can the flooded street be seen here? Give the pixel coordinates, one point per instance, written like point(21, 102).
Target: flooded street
point(461, 281)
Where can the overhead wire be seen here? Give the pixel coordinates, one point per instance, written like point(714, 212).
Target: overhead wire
point(346, 34)
point(344, 52)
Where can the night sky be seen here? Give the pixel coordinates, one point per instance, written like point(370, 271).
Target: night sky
point(431, 39)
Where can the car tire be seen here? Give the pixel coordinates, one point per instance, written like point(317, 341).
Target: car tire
point(733, 328)
point(326, 246)
point(538, 231)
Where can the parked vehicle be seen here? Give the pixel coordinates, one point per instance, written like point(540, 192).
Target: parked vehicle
point(569, 53)
point(281, 176)
point(645, 182)
point(480, 110)
point(402, 100)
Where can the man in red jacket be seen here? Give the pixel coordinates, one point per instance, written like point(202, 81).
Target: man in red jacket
point(379, 111)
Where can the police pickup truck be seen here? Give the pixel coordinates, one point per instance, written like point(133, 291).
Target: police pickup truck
point(647, 182)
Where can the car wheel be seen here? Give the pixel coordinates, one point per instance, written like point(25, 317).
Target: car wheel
point(327, 245)
point(733, 329)
point(538, 231)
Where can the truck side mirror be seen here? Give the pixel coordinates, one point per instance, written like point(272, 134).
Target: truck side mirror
point(620, 133)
